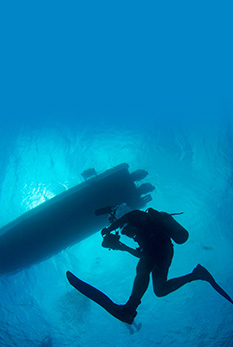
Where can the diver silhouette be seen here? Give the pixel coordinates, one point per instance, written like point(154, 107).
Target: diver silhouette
point(153, 231)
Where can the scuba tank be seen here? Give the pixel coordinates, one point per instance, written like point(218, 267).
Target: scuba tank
point(172, 228)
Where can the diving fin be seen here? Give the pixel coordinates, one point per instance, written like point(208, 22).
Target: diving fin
point(204, 275)
point(101, 299)
point(221, 291)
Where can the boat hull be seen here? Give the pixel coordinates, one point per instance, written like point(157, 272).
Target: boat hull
point(66, 219)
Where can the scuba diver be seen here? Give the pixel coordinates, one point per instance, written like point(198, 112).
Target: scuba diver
point(153, 231)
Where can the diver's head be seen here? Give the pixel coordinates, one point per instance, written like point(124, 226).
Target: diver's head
point(129, 230)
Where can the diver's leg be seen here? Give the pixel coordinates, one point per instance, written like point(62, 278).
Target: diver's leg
point(142, 279)
point(141, 282)
point(163, 287)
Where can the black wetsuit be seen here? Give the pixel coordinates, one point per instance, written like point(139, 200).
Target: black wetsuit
point(153, 240)
point(151, 233)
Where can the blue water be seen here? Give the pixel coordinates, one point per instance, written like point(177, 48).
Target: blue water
point(96, 85)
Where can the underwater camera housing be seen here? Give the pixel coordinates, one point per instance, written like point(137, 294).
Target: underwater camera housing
point(110, 240)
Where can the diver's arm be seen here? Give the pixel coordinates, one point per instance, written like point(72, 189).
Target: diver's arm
point(134, 252)
point(119, 246)
point(118, 223)
point(111, 241)
point(127, 218)
point(116, 244)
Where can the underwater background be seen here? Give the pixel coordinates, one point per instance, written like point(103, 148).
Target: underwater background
point(99, 84)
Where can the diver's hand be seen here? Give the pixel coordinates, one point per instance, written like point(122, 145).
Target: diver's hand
point(111, 241)
point(104, 231)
